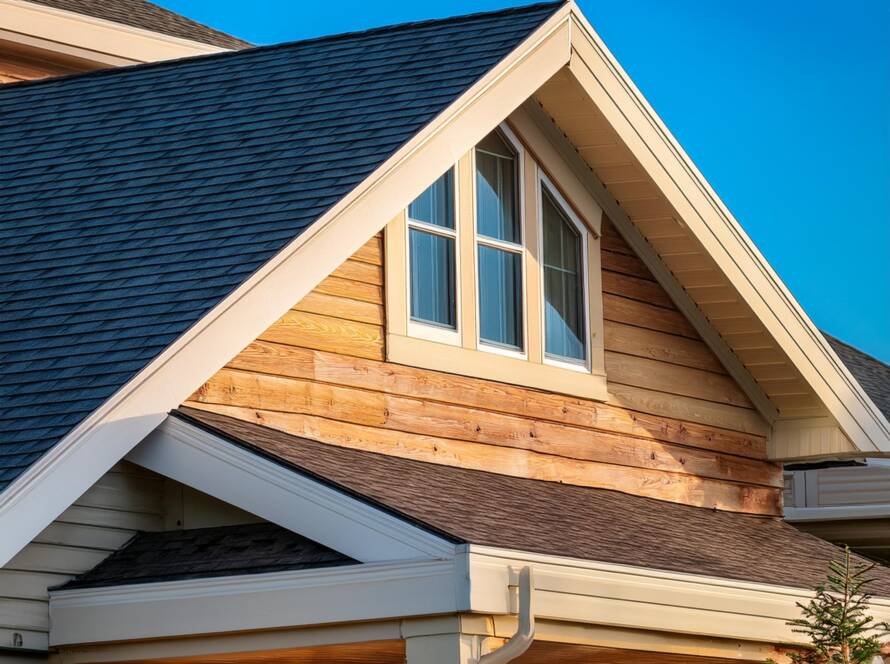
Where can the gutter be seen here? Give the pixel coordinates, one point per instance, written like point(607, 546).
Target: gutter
point(525, 634)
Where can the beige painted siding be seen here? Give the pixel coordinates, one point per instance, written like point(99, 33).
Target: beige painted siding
point(125, 500)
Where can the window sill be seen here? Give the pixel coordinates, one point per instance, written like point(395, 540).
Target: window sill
point(490, 366)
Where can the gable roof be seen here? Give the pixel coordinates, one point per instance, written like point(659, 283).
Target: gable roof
point(872, 374)
point(488, 509)
point(134, 200)
point(253, 548)
point(148, 16)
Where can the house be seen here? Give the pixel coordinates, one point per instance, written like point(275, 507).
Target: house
point(847, 501)
point(40, 38)
point(426, 343)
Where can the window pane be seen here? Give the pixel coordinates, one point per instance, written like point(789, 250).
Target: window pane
point(496, 173)
point(432, 278)
point(500, 296)
point(563, 284)
point(436, 204)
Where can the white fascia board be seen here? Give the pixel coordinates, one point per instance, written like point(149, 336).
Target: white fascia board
point(303, 505)
point(712, 224)
point(91, 38)
point(640, 598)
point(74, 464)
point(253, 602)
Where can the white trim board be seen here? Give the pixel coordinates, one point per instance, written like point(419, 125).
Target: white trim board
point(641, 598)
point(481, 580)
point(90, 38)
point(233, 474)
point(251, 602)
point(56, 480)
point(836, 513)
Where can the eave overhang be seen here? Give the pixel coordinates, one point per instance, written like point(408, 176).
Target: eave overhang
point(480, 580)
point(666, 210)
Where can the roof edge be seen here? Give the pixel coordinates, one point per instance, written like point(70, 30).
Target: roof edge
point(726, 241)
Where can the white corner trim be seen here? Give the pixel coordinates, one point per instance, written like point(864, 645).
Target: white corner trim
point(74, 464)
point(641, 598)
point(253, 602)
point(713, 225)
point(233, 474)
point(92, 38)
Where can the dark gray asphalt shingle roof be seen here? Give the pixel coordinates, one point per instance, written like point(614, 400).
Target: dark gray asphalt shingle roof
point(134, 200)
point(148, 16)
point(872, 374)
point(207, 552)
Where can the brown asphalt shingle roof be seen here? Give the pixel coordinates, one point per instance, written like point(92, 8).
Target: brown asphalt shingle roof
point(550, 518)
point(872, 374)
point(148, 16)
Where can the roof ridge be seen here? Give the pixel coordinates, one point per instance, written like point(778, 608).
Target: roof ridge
point(394, 27)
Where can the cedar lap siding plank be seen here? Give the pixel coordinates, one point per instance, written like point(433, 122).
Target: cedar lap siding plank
point(135, 199)
point(320, 372)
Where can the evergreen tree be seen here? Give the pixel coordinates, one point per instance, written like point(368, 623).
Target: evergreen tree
point(836, 621)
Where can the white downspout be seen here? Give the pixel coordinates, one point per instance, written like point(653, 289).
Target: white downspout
point(525, 634)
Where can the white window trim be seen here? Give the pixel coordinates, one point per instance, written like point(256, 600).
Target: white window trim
point(429, 330)
point(545, 182)
point(519, 249)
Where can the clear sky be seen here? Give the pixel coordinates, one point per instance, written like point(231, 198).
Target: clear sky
point(784, 105)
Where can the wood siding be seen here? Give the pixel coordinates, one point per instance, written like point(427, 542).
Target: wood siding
point(677, 427)
point(15, 68)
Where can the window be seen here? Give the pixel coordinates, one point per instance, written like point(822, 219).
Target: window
point(499, 243)
point(494, 270)
point(563, 263)
point(431, 248)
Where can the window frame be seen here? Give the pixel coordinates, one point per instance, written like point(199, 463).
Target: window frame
point(520, 249)
point(543, 183)
point(462, 354)
point(428, 329)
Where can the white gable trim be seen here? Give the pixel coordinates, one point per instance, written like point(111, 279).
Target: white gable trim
point(81, 36)
point(58, 478)
point(713, 225)
point(281, 599)
point(235, 475)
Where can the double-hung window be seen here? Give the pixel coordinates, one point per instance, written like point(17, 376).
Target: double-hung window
point(563, 262)
point(499, 243)
point(432, 238)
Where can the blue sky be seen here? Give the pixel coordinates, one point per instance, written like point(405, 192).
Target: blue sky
point(783, 105)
